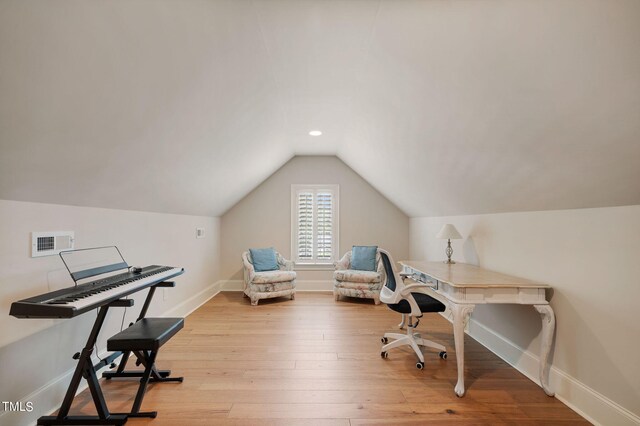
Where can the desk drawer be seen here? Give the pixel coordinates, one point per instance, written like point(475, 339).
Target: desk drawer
point(422, 277)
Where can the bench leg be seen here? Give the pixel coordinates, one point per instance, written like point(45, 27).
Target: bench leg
point(144, 381)
point(148, 360)
point(156, 375)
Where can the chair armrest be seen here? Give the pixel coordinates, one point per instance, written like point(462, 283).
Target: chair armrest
point(284, 264)
point(381, 270)
point(343, 263)
point(249, 270)
point(414, 288)
point(424, 289)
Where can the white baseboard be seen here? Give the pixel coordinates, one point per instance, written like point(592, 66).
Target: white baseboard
point(185, 308)
point(51, 394)
point(590, 404)
point(301, 285)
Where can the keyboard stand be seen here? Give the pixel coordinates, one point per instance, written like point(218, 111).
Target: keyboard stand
point(86, 369)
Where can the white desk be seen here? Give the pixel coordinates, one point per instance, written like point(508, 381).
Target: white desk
point(464, 286)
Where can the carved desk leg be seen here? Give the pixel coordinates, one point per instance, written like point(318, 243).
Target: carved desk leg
point(461, 314)
point(548, 325)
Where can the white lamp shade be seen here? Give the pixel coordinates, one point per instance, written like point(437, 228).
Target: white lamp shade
point(449, 232)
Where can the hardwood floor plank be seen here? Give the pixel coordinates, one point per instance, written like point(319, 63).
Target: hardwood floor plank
point(231, 364)
point(309, 384)
point(248, 355)
point(259, 396)
point(160, 421)
point(320, 410)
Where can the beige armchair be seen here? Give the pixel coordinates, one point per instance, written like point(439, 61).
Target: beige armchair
point(353, 283)
point(268, 284)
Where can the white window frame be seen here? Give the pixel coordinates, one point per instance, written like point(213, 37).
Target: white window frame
point(295, 190)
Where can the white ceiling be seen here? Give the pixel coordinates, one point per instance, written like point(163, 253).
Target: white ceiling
point(446, 107)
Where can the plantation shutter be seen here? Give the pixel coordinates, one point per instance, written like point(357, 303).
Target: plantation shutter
point(305, 226)
point(324, 225)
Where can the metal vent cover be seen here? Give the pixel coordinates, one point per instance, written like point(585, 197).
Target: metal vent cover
point(51, 243)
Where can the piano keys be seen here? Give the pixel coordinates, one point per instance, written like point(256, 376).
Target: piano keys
point(72, 301)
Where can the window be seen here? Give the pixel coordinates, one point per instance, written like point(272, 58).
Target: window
point(314, 214)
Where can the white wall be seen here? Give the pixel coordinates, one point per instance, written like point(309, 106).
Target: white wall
point(36, 353)
point(263, 218)
point(591, 257)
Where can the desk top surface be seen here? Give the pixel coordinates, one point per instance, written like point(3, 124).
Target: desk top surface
point(465, 275)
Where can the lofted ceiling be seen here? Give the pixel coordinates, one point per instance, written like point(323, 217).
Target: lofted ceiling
point(445, 106)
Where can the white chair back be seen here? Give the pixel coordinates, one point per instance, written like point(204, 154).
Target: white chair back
point(391, 291)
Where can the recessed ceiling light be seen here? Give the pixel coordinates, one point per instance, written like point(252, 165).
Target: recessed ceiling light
point(315, 133)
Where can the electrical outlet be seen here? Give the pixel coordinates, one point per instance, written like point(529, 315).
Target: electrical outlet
point(199, 232)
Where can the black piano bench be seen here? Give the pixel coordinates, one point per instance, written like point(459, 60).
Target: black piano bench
point(144, 338)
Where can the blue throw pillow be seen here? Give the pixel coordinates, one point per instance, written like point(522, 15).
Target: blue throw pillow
point(264, 259)
point(363, 258)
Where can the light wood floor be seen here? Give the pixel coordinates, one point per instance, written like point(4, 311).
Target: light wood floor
point(314, 361)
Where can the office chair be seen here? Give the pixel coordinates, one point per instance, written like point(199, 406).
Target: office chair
point(413, 302)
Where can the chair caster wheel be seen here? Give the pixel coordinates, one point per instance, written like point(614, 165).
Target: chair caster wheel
point(384, 354)
point(420, 365)
point(443, 355)
point(384, 340)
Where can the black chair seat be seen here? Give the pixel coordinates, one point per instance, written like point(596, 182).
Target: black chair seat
point(426, 304)
point(148, 334)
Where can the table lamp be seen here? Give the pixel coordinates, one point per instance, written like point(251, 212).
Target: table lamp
point(449, 232)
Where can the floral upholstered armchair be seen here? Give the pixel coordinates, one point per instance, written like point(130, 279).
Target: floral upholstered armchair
point(356, 283)
point(268, 284)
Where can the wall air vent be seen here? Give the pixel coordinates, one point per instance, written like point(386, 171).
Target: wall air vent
point(51, 243)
